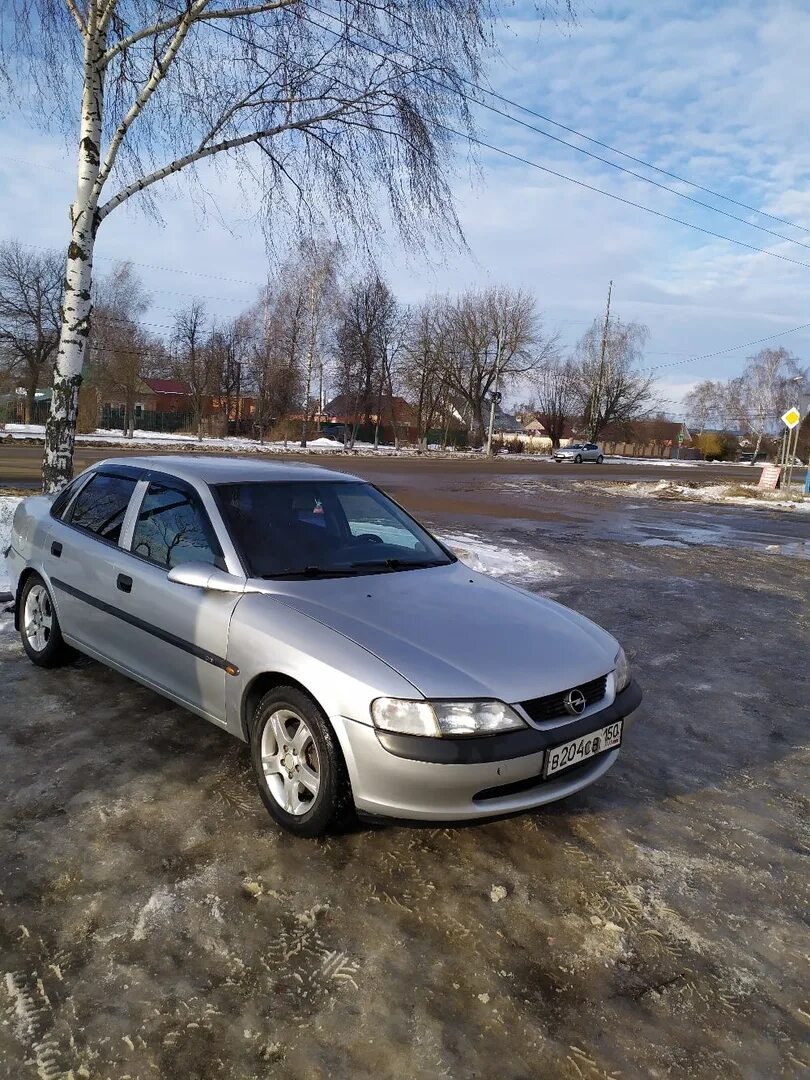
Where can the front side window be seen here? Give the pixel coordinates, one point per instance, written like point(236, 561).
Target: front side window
point(172, 528)
point(310, 528)
point(101, 505)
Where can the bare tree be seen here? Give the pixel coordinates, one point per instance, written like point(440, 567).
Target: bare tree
point(608, 384)
point(316, 291)
point(30, 292)
point(763, 392)
point(494, 336)
point(367, 324)
point(424, 368)
point(706, 403)
point(195, 359)
point(157, 87)
point(121, 354)
point(555, 399)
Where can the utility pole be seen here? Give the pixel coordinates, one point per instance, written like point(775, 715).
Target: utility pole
point(596, 396)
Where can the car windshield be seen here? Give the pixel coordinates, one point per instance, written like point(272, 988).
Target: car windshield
point(323, 529)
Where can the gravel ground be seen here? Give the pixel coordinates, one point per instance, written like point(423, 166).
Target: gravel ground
point(154, 923)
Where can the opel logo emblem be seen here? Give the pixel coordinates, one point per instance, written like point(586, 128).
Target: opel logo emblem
point(575, 702)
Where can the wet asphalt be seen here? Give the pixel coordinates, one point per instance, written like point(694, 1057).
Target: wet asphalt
point(154, 923)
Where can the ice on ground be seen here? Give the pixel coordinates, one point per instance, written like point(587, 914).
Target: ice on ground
point(505, 560)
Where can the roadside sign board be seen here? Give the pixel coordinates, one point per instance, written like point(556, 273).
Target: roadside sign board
point(771, 474)
point(680, 437)
point(791, 418)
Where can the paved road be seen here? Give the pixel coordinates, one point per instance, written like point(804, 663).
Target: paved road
point(154, 924)
point(20, 465)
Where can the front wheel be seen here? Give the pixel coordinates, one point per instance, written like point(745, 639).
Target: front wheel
point(39, 625)
point(298, 764)
point(578, 459)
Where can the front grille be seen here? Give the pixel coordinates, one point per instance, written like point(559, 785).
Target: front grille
point(544, 709)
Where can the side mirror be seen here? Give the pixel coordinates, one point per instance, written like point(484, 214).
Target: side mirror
point(202, 576)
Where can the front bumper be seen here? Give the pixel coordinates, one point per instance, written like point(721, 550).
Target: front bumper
point(411, 776)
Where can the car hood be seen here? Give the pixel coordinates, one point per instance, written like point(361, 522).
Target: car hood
point(452, 632)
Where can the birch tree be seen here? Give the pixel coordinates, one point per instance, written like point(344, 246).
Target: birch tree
point(319, 117)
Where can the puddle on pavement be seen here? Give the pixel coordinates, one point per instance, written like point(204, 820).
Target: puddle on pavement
point(677, 534)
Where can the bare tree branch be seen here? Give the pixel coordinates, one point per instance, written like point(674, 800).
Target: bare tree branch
point(218, 148)
point(169, 24)
point(159, 71)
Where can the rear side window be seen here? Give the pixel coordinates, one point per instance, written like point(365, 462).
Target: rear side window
point(65, 495)
point(101, 505)
point(172, 528)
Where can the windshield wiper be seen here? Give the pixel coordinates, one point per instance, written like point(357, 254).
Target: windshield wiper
point(395, 564)
point(307, 572)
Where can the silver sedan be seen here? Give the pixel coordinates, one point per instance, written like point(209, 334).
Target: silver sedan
point(306, 613)
point(579, 452)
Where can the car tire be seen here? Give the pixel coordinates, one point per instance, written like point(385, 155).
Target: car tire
point(303, 782)
point(39, 626)
point(578, 459)
point(599, 460)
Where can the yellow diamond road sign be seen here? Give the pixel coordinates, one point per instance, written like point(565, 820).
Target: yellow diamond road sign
point(791, 418)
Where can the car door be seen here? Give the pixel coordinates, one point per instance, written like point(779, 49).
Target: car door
point(80, 557)
point(591, 452)
point(175, 636)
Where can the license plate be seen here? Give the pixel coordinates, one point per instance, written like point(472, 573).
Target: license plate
point(586, 746)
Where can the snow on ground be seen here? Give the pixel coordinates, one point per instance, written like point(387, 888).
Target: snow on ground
point(8, 504)
point(163, 440)
point(507, 560)
point(715, 494)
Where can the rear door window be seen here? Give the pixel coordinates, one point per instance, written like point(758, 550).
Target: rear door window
point(101, 505)
point(172, 528)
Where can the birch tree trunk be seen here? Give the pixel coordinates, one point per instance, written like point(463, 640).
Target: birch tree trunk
point(77, 307)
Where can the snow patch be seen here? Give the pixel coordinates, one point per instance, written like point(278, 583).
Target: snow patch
point(507, 560)
point(722, 494)
point(8, 504)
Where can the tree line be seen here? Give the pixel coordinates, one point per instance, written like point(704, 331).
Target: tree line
point(317, 332)
point(751, 403)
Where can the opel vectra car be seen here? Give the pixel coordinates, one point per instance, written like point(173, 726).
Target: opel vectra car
point(579, 452)
point(305, 612)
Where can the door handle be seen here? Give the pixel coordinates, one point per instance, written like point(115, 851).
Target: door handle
point(124, 583)
point(56, 549)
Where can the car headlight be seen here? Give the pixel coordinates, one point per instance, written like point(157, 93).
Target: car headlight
point(437, 718)
point(622, 671)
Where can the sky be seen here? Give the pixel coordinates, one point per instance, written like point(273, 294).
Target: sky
point(717, 92)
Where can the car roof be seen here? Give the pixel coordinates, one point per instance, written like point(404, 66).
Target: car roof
point(227, 469)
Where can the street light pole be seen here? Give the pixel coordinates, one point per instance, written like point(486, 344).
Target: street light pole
point(496, 397)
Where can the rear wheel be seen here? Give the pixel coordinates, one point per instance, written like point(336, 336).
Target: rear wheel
point(599, 460)
point(39, 625)
point(298, 763)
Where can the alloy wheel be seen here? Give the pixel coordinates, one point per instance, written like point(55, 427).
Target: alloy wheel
point(290, 762)
point(38, 618)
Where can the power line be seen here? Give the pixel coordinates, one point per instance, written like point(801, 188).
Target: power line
point(579, 134)
point(534, 164)
point(731, 348)
point(619, 198)
point(555, 138)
